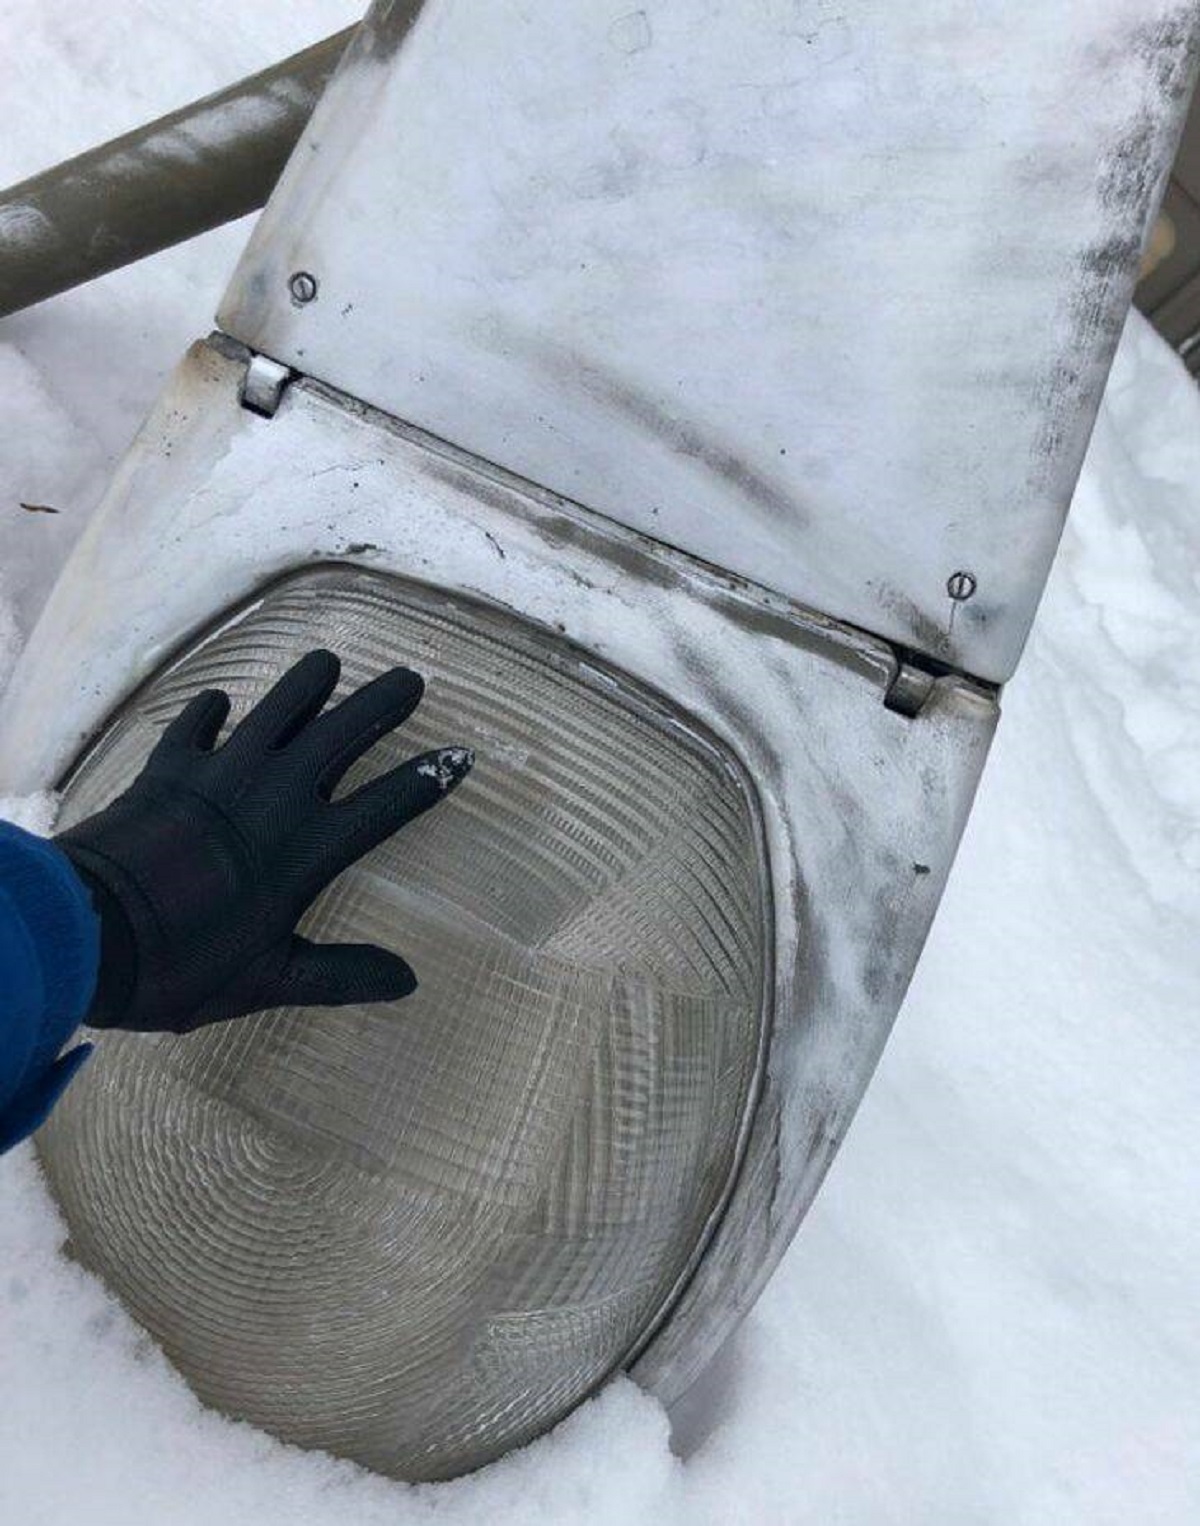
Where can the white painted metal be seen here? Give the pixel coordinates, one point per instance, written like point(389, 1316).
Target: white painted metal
point(823, 293)
point(862, 807)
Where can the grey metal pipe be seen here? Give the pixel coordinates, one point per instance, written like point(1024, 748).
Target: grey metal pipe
point(201, 166)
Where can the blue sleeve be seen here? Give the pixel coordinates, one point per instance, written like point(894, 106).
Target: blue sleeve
point(49, 958)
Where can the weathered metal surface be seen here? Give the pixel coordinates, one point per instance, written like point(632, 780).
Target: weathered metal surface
point(824, 294)
point(862, 807)
point(193, 170)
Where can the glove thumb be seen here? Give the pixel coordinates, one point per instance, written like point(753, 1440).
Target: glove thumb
point(341, 974)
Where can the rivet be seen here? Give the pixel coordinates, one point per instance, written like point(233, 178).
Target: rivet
point(303, 287)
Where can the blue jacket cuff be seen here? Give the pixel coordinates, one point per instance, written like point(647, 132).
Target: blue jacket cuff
point(49, 959)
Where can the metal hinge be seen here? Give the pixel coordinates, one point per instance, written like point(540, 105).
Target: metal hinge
point(910, 687)
point(263, 385)
point(917, 675)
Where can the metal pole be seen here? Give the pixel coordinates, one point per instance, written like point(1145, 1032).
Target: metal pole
point(201, 166)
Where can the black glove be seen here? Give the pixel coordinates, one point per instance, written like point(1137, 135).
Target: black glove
point(201, 869)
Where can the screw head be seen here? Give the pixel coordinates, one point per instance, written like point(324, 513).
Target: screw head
point(303, 287)
point(960, 585)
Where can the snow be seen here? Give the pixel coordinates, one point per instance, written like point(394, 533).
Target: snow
point(991, 1315)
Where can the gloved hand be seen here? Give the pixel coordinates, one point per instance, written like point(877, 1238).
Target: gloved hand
point(201, 869)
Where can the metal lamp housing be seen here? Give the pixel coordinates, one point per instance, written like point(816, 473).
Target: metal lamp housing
point(860, 806)
point(600, 332)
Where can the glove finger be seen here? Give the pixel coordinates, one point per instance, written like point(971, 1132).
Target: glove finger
point(353, 727)
point(196, 727)
point(287, 708)
point(341, 974)
point(373, 813)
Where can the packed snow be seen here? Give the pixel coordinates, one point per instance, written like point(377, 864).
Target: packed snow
point(992, 1315)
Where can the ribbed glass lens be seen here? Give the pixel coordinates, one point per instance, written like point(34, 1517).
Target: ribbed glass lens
point(416, 1235)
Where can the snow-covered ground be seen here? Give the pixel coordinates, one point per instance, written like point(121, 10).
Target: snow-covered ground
point(992, 1315)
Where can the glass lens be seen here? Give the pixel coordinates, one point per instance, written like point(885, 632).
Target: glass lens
point(418, 1234)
